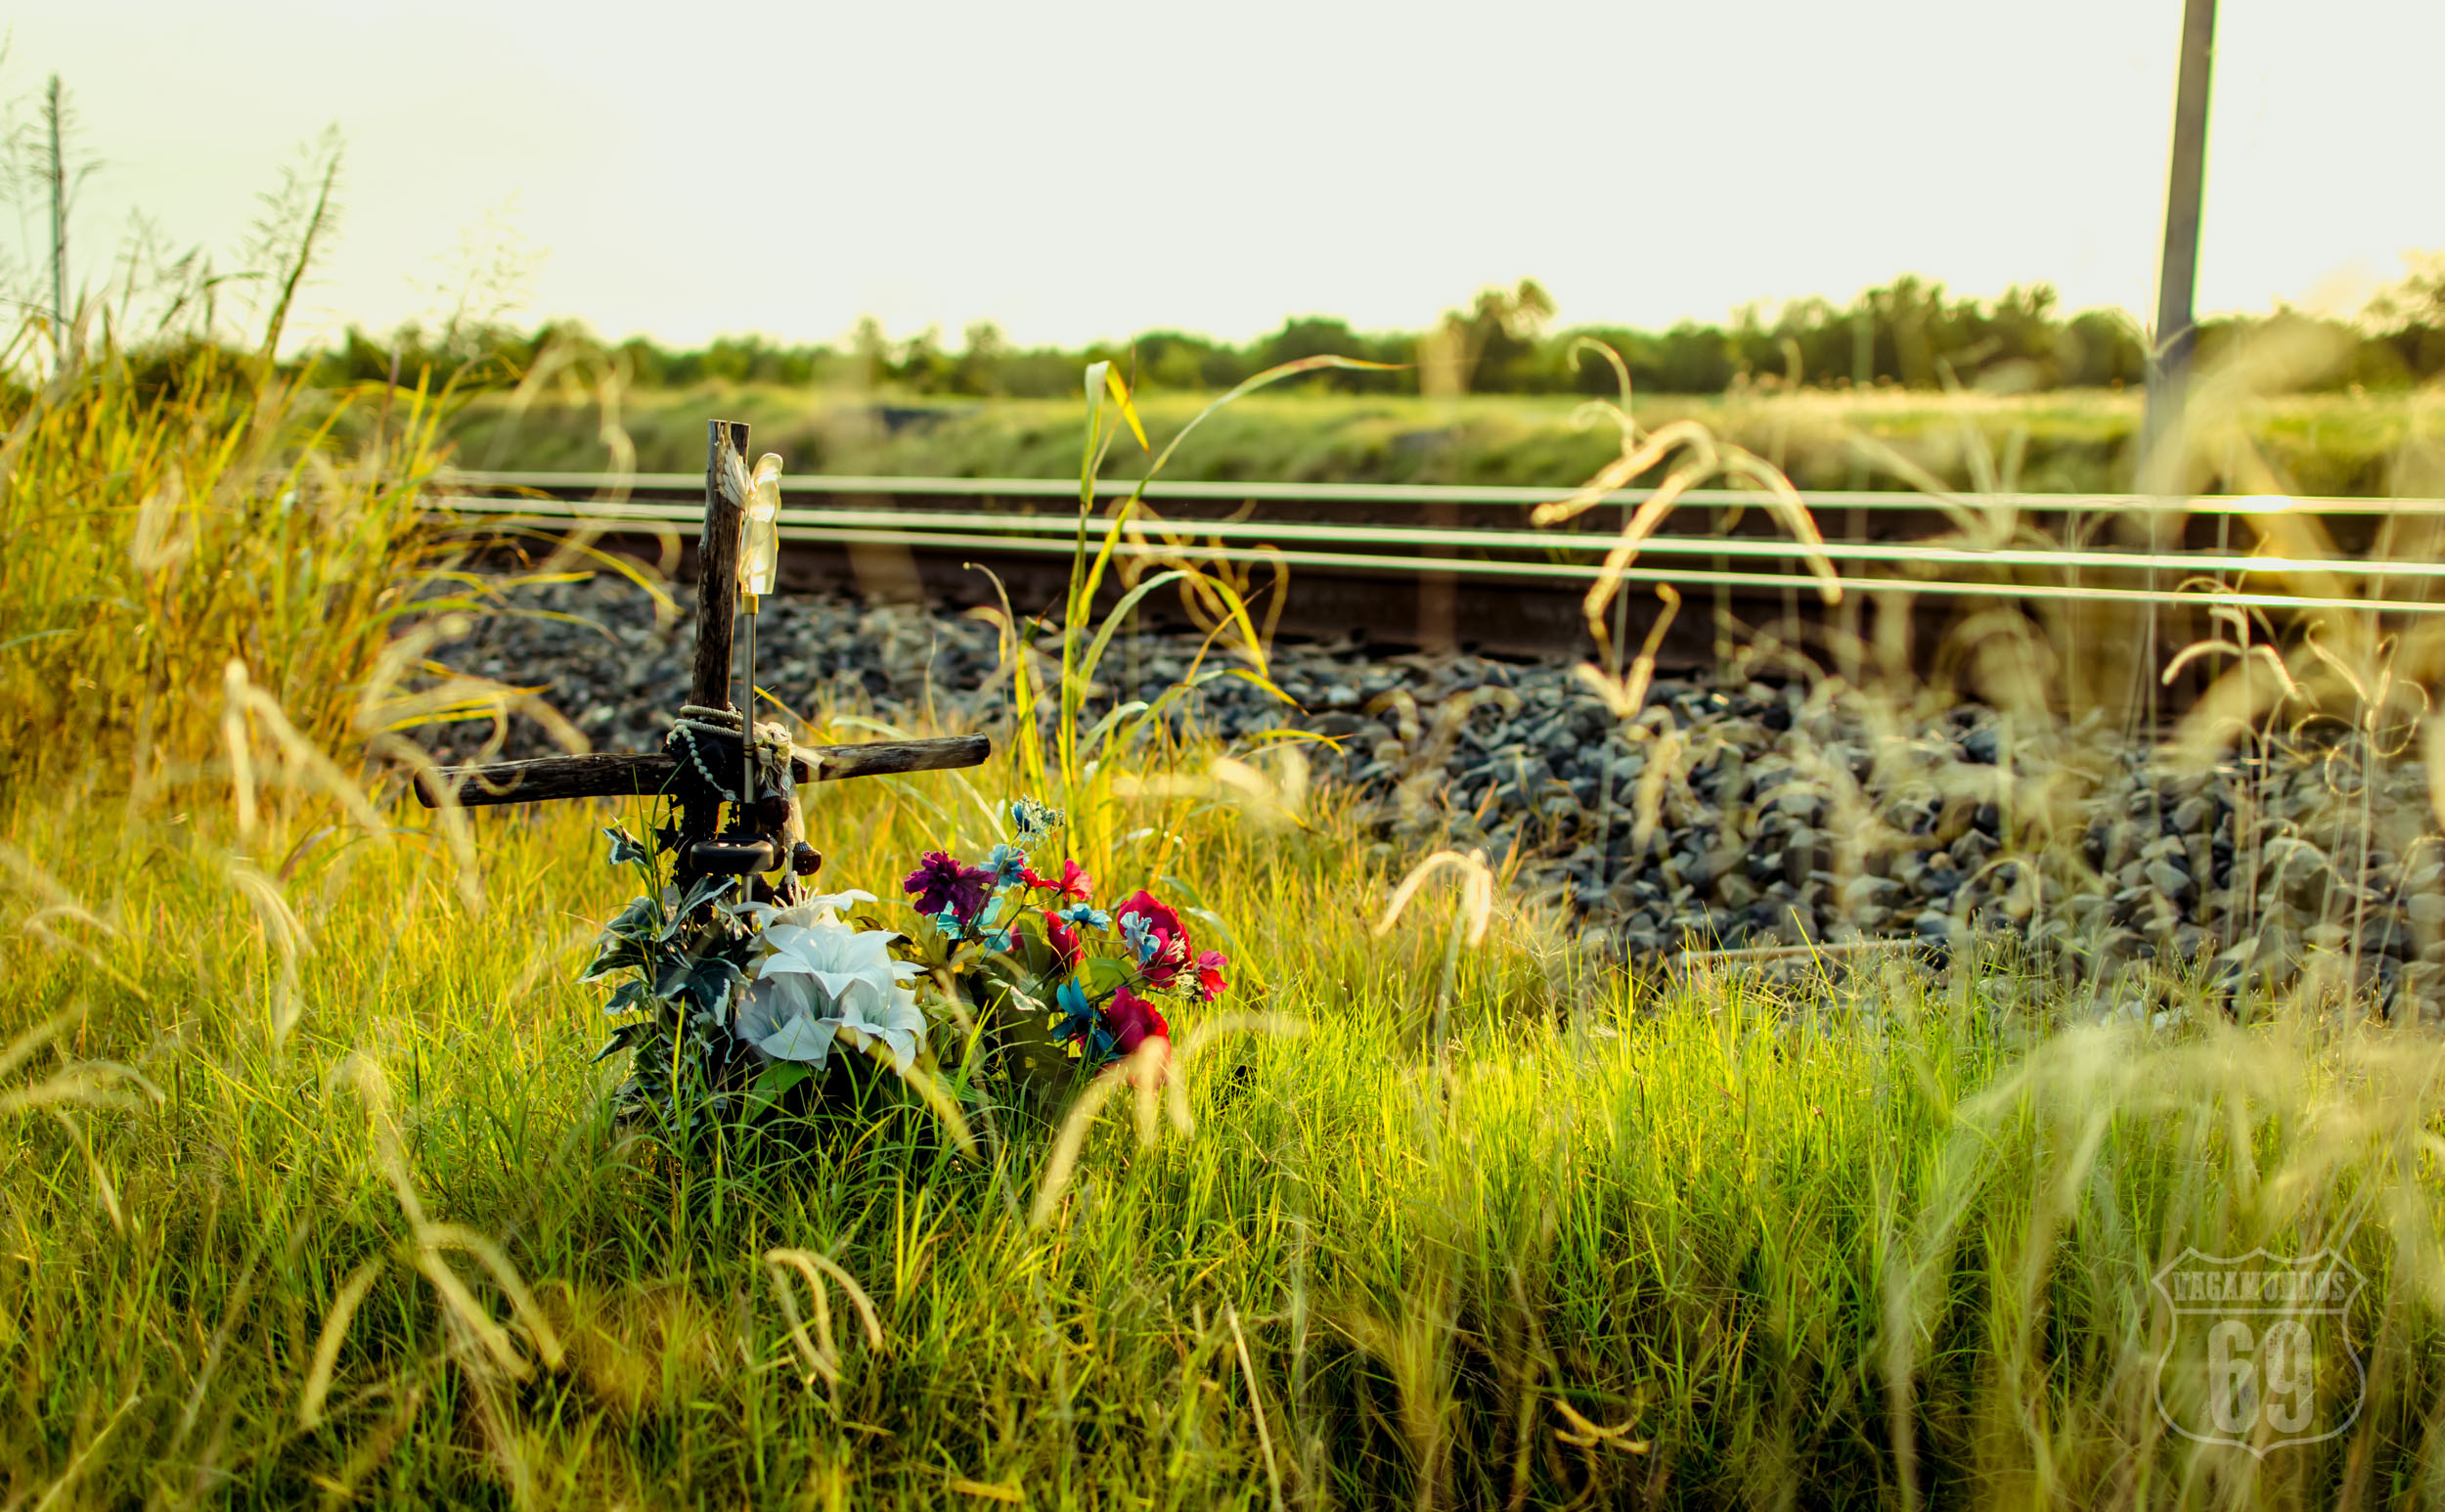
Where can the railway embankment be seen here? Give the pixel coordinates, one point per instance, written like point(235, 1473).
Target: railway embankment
point(1785, 821)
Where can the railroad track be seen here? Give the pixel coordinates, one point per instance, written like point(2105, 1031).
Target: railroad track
point(1413, 563)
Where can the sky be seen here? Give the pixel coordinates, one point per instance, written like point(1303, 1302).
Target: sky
point(1075, 172)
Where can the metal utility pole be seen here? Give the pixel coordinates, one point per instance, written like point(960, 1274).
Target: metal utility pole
point(59, 226)
point(2168, 377)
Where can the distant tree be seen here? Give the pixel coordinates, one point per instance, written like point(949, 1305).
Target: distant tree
point(1319, 336)
point(983, 351)
point(1909, 331)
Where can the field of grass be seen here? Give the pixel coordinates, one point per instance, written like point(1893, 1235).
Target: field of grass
point(313, 1198)
point(2072, 440)
point(314, 1195)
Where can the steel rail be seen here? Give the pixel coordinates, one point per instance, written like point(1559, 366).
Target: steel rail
point(1440, 492)
point(1576, 573)
point(914, 528)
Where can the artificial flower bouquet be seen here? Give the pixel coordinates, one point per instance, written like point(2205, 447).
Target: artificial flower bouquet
point(1032, 966)
point(1013, 980)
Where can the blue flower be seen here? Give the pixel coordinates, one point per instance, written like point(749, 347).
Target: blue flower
point(1087, 916)
point(1007, 864)
point(1140, 935)
point(1077, 1028)
point(1073, 1015)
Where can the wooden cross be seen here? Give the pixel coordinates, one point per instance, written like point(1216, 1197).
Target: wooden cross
point(707, 764)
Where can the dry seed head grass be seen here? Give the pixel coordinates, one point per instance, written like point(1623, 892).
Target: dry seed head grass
point(821, 1353)
point(1704, 458)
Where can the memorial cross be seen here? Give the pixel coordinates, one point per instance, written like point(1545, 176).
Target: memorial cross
point(732, 781)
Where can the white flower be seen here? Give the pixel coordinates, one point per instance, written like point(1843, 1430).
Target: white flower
point(821, 906)
point(820, 977)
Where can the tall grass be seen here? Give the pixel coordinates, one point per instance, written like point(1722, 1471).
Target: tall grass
point(313, 1198)
point(166, 518)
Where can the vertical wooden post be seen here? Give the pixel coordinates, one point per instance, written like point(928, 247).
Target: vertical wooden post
point(716, 563)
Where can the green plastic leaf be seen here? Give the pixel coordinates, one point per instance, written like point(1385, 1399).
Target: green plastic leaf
point(625, 1038)
point(617, 955)
point(1101, 974)
point(699, 892)
point(631, 996)
point(702, 981)
point(641, 919)
point(627, 850)
point(927, 945)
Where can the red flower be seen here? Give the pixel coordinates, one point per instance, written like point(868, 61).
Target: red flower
point(1063, 939)
point(1134, 1021)
point(1210, 983)
point(1142, 902)
point(1173, 952)
point(1074, 885)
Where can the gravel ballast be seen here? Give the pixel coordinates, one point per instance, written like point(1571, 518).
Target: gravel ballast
point(1746, 819)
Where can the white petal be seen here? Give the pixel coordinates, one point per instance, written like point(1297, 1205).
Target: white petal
point(769, 1005)
point(790, 940)
point(903, 1049)
point(807, 1040)
point(853, 993)
point(822, 904)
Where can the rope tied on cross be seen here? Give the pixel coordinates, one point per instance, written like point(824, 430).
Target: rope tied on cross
point(699, 728)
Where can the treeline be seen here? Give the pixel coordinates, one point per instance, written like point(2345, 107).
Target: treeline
point(1908, 334)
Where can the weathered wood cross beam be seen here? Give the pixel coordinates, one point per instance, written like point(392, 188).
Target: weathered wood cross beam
point(623, 775)
point(709, 748)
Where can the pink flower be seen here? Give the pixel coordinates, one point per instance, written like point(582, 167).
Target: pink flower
point(1210, 983)
point(1063, 938)
point(1074, 885)
point(1133, 1021)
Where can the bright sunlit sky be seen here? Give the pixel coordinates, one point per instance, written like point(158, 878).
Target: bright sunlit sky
point(1080, 171)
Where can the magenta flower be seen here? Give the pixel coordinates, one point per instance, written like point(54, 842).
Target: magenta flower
point(1154, 930)
point(1133, 1021)
point(942, 884)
